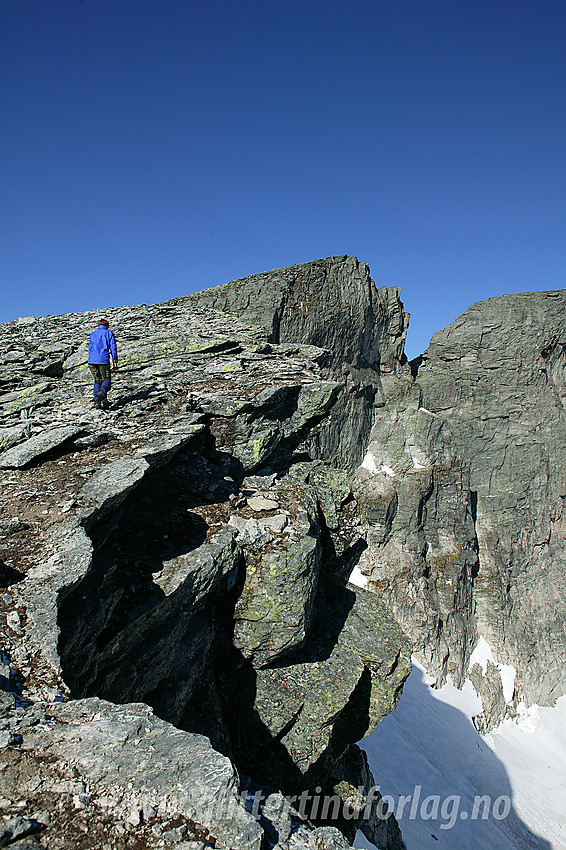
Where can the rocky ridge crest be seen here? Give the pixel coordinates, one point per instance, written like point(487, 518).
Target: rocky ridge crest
point(181, 563)
point(191, 549)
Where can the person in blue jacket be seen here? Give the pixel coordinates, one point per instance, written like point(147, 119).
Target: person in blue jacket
point(102, 346)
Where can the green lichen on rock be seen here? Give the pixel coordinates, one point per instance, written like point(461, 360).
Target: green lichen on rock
point(274, 611)
point(21, 399)
point(260, 442)
point(11, 436)
point(337, 689)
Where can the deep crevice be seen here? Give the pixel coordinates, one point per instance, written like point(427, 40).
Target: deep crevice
point(120, 594)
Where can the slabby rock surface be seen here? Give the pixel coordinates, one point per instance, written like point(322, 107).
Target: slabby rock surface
point(119, 747)
point(175, 569)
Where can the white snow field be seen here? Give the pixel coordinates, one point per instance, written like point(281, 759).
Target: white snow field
point(428, 750)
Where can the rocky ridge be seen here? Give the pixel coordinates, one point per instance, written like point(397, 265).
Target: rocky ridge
point(181, 563)
point(190, 549)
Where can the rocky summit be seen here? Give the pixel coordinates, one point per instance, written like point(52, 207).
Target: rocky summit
point(184, 659)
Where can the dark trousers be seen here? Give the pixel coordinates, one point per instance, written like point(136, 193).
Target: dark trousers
point(101, 374)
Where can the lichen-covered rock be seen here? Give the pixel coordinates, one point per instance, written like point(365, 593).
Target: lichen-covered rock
point(111, 484)
point(274, 611)
point(310, 706)
point(24, 453)
point(363, 806)
point(11, 436)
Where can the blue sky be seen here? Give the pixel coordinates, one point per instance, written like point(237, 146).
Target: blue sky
point(154, 147)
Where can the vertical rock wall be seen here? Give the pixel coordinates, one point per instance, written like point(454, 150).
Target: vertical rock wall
point(463, 490)
point(497, 375)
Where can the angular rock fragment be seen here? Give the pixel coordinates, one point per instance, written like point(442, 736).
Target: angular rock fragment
point(175, 771)
point(329, 693)
point(254, 534)
point(110, 485)
point(11, 436)
point(273, 613)
point(32, 449)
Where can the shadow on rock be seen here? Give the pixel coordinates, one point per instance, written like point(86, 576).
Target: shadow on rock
point(9, 575)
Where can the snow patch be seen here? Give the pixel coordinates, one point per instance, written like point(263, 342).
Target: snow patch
point(388, 471)
point(533, 749)
point(369, 463)
point(528, 718)
point(481, 655)
point(358, 578)
point(429, 746)
point(507, 673)
point(416, 464)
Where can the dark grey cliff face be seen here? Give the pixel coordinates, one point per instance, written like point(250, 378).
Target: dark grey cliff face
point(332, 303)
point(176, 570)
point(463, 490)
point(498, 376)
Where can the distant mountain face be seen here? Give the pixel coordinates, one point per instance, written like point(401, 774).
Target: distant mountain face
point(498, 376)
point(190, 549)
point(470, 463)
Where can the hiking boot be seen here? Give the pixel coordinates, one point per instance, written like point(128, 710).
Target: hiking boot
point(105, 404)
point(97, 405)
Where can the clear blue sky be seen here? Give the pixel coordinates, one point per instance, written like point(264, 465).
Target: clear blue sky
point(154, 147)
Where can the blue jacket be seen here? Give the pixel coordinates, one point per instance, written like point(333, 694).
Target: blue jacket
point(101, 344)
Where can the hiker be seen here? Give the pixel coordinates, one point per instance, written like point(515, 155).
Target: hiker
point(102, 345)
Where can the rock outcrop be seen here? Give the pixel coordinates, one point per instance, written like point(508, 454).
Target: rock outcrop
point(176, 568)
point(331, 303)
point(463, 490)
point(183, 653)
point(497, 376)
